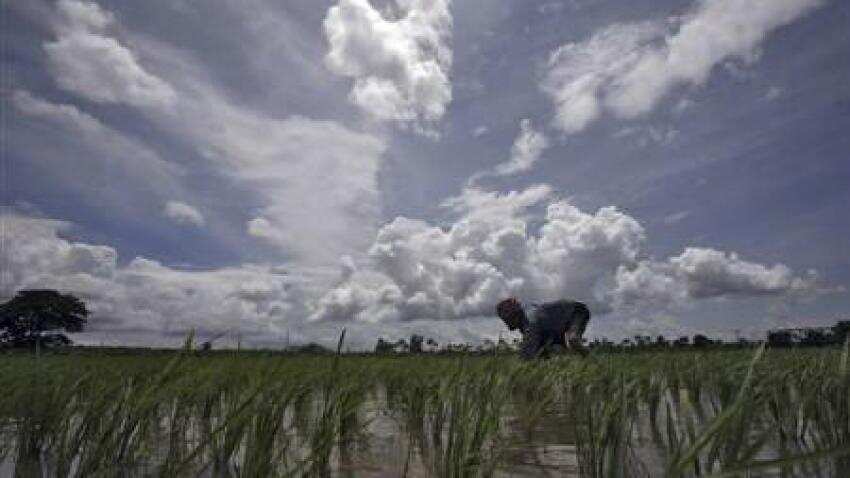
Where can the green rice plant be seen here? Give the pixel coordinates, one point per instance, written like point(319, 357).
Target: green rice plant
point(673, 413)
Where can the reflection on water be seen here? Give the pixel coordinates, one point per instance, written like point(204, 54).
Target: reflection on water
point(384, 446)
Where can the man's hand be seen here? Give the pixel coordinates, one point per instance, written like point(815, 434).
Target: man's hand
point(574, 343)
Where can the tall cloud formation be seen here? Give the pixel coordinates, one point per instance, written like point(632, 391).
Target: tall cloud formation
point(626, 69)
point(86, 60)
point(421, 271)
point(297, 168)
point(400, 66)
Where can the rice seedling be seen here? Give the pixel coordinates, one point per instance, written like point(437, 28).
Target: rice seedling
point(672, 413)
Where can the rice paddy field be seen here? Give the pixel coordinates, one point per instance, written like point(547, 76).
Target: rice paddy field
point(747, 412)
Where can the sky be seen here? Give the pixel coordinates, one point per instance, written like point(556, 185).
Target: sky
point(272, 172)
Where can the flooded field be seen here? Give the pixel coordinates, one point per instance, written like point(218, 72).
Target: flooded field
point(674, 413)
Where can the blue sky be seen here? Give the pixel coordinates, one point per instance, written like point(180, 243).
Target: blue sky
point(270, 169)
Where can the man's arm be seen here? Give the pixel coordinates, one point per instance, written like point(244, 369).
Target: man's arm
point(532, 343)
point(575, 330)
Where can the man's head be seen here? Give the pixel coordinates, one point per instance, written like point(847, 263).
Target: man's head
point(511, 312)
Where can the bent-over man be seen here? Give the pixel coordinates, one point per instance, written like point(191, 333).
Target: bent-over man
point(561, 322)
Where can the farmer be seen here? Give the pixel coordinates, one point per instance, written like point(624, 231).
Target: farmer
point(561, 322)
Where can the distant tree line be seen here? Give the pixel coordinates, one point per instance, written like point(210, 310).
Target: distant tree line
point(801, 337)
point(40, 318)
point(810, 336)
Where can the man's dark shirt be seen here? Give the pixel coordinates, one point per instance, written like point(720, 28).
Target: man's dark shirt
point(549, 323)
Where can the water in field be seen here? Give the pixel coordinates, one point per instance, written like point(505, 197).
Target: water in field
point(545, 449)
point(640, 415)
point(384, 447)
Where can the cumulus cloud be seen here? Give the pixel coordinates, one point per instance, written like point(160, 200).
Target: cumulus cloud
point(491, 250)
point(713, 273)
point(701, 273)
point(626, 69)
point(86, 60)
point(143, 297)
point(144, 302)
point(183, 213)
point(400, 62)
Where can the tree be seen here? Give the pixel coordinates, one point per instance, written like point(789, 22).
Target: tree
point(29, 317)
point(779, 338)
point(701, 341)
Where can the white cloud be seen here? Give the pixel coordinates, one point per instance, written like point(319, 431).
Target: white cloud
point(109, 167)
point(147, 303)
point(416, 271)
point(579, 74)
point(683, 105)
point(183, 213)
point(420, 271)
point(676, 217)
point(627, 69)
point(314, 182)
point(400, 66)
point(87, 61)
point(773, 93)
point(67, 116)
point(700, 273)
point(143, 298)
point(644, 136)
point(525, 152)
point(713, 273)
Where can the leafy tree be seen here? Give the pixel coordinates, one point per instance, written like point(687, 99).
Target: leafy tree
point(701, 340)
point(780, 338)
point(29, 318)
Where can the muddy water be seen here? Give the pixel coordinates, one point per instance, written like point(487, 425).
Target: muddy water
point(547, 449)
point(386, 445)
point(384, 448)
